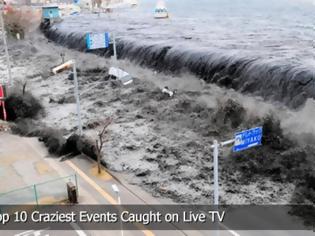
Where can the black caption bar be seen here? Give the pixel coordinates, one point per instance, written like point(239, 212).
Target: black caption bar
point(157, 217)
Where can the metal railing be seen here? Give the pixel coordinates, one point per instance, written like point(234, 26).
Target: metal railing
point(49, 192)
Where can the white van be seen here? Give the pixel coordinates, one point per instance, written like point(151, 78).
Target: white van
point(160, 13)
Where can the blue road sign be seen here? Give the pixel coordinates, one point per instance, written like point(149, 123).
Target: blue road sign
point(97, 40)
point(247, 139)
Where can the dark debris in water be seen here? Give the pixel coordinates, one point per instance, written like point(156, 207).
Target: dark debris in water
point(22, 106)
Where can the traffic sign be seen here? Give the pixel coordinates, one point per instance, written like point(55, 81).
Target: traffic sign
point(242, 141)
point(247, 139)
point(97, 40)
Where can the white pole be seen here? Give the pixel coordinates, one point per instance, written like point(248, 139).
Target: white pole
point(216, 179)
point(114, 46)
point(215, 172)
point(77, 96)
point(6, 48)
point(121, 225)
point(116, 190)
point(215, 147)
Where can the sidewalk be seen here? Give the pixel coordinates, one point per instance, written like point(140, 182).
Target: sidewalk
point(22, 165)
point(25, 162)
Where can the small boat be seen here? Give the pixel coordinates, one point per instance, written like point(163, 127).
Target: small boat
point(160, 11)
point(133, 3)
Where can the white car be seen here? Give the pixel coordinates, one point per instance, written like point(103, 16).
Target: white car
point(160, 13)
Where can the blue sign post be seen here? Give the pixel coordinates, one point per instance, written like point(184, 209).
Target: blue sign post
point(97, 40)
point(242, 141)
point(247, 139)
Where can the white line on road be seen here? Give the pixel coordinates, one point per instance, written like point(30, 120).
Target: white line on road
point(32, 232)
point(229, 230)
point(226, 228)
point(77, 229)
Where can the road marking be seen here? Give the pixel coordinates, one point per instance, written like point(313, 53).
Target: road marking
point(33, 233)
point(107, 196)
point(229, 230)
point(226, 228)
point(147, 233)
point(77, 229)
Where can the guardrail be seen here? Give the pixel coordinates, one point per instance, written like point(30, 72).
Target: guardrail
point(48, 192)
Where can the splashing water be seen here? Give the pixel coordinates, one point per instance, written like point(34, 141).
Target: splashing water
point(259, 47)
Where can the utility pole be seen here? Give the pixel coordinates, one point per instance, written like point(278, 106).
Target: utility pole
point(6, 47)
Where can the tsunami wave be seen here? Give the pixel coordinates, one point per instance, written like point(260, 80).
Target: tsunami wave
point(289, 84)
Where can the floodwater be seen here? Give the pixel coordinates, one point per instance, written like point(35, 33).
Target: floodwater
point(260, 47)
point(272, 29)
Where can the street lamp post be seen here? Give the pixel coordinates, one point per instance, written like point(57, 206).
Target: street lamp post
point(77, 97)
point(6, 47)
point(62, 67)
